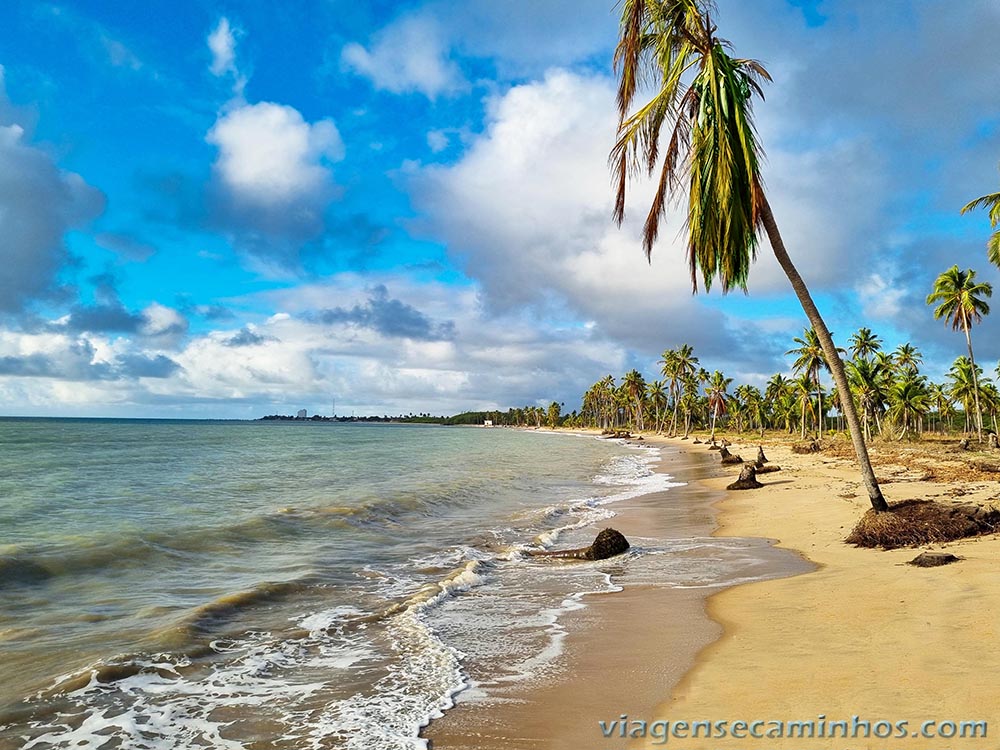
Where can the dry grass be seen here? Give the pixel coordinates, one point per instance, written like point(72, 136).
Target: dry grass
point(912, 523)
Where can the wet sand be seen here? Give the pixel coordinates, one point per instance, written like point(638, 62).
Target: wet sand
point(626, 650)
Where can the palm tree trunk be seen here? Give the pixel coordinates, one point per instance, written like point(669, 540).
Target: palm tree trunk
point(832, 357)
point(975, 381)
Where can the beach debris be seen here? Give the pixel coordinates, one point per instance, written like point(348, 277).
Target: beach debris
point(761, 458)
point(608, 543)
point(696, 440)
point(963, 444)
point(747, 479)
point(729, 458)
point(714, 446)
point(933, 559)
point(809, 446)
point(913, 523)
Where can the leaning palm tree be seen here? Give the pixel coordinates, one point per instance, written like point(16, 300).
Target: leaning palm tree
point(990, 201)
point(703, 98)
point(960, 301)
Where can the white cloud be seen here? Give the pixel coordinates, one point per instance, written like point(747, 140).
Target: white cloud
point(409, 55)
point(268, 154)
point(222, 44)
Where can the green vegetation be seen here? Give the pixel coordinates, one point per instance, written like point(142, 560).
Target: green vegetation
point(895, 400)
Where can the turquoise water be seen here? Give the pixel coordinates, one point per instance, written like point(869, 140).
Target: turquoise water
point(256, 585)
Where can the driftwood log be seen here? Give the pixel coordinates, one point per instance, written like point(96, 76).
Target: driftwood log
point(608, 543)
point(747, 480)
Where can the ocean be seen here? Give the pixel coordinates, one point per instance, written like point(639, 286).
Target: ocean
point(180, 584)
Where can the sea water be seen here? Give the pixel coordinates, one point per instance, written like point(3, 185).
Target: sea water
point(175, 584)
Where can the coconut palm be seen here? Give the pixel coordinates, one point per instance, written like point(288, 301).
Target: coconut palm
point(634, 387)
point(869, 382)
point(717, 396)
point(703, 98)
point(960, 301)
point(656, 392)
point(864, 344)
point(990, 201)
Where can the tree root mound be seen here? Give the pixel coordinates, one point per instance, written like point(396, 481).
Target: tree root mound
point(933, 559)
point(913, 523)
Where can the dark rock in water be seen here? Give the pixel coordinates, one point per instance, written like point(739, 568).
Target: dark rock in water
point(933, 559)
point(747, 480)
point(608, 543)
point(761, 458)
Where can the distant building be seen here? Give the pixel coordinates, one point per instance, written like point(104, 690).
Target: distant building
point(302, 414)
point(487, 423)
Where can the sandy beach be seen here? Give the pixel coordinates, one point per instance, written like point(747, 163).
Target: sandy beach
point(861, 638)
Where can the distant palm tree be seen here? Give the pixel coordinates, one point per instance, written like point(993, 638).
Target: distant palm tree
point(909, 400)
point(869, 382)
point(704, 100)
point(677, 364)
point(989, 201)
point(964, 376)
point(960, 301)
point(864, 343)
point(810, 359)
point(908, 359)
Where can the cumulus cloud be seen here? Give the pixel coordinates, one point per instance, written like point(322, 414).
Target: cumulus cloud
point(409, 55)
point(39, 203)
point(273, 176)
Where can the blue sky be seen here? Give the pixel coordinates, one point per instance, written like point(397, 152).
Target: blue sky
point(228, 209)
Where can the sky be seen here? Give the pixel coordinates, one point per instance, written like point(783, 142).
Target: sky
point(232, 208)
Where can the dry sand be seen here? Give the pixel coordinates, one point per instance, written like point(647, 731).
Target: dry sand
point(865, 635)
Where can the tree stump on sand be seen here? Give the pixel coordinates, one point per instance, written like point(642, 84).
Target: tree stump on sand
point(761, 458)
point(713, 446)
point(729, 458)
point(933, 559)
point(993, 441)
point(608, 543)
point(747, 480)
point(963, 444)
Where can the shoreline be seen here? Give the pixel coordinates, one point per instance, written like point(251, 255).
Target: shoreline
point(625, 650)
